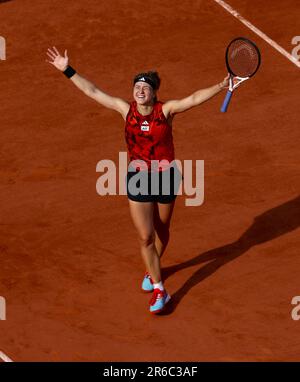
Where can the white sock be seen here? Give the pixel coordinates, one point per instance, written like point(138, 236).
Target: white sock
point(159, 286)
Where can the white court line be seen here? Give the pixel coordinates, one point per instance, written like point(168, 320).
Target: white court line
point(5, 358)
point(258, 32)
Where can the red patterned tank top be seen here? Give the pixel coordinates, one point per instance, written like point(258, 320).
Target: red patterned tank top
point(149, 137)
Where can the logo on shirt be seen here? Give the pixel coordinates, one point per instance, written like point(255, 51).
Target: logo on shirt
point(145, 126)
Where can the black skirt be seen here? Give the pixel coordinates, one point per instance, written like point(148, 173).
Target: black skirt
point(160, 187)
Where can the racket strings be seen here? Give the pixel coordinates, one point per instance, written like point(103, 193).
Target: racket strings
point(243, 58)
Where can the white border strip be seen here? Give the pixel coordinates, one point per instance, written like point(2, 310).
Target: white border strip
point(258, 32)
point(5, 358)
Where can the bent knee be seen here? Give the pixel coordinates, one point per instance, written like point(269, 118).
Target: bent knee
point(147, 239)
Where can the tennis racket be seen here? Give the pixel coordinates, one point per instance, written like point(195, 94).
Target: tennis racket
point(242, 61)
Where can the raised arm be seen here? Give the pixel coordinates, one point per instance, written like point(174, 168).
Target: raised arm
point(87, 87)
point(179, 106)
point(99, 96)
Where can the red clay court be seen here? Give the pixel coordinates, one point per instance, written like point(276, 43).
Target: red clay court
point(70, 262)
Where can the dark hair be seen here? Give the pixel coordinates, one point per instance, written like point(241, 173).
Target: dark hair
point(152, 76)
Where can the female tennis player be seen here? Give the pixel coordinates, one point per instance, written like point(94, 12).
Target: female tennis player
point(148, 132)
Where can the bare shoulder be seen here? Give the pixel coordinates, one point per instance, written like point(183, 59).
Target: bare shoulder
point(179, 106)
point(167, 108)
point(122, 107)
point(167, 112)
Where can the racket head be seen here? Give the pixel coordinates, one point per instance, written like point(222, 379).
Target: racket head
point(243, 57)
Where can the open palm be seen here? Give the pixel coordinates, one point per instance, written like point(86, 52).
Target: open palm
point(57, 60)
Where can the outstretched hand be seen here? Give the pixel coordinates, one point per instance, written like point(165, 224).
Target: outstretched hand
point(225, 83)
point(230, 82)
point(58, 61)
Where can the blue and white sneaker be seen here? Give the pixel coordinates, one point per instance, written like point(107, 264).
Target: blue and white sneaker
point(159, 300)
point(147, 284)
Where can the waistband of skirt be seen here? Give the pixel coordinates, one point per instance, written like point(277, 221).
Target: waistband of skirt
point(138, 165)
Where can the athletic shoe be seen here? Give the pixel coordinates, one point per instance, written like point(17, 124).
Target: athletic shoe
point(159, 300)
point(147, 285)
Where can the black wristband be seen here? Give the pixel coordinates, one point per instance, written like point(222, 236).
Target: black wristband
point(69, 72)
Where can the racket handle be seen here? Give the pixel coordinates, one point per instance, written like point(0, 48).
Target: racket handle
point(226, 101)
